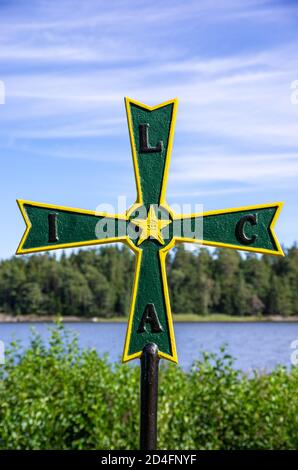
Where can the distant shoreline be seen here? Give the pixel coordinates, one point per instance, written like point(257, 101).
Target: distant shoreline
point(188, 318)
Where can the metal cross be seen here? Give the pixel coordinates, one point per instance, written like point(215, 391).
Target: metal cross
point(150, 228)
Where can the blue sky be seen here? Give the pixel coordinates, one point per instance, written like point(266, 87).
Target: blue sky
point(67, 65)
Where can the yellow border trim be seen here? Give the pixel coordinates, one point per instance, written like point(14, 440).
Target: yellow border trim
point(162, 258)
point(163, 252)
point(277, 252)
point(138, 252)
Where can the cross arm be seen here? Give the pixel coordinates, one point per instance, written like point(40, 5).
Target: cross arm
point(247, 228)
point(151, 131)
point(150, 319)
point(50, 227)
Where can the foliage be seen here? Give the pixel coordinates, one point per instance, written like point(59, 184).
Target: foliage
point(61, 397)
point(98, 283)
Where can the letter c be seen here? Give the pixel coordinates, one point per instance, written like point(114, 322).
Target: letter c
point(240, 233)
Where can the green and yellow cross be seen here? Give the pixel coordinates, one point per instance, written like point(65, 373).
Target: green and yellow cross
point(150, 228)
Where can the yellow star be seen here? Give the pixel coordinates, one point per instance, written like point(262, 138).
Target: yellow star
point(151, 227)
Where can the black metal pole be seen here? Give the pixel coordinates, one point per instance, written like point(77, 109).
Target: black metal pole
point(149, 396)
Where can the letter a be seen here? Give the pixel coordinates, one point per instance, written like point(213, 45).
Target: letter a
point(150, 316)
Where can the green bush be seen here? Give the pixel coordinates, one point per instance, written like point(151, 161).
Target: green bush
point(60, 397)
point(97, 282)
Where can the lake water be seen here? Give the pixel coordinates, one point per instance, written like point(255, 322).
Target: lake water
point(253, 345)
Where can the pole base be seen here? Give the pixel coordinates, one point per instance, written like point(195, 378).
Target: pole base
point(149, 397)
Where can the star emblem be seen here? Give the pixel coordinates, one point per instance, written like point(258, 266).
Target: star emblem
point(151, 227)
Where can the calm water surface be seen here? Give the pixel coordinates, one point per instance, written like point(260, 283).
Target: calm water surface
point(253, 345)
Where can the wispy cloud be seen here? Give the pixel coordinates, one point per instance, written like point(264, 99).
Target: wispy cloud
point(67, 65)
point(267, 168)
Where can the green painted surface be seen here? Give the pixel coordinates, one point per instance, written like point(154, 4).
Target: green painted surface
point(151, 165)
point(72, 227)
point(220, 228)
point(150, 290)
point(76, 228)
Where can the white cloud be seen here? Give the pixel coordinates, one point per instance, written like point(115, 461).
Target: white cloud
point(67, 66)
point(103, 52)
point(244, 168)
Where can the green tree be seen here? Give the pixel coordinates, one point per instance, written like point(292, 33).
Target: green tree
point(31, 298)
point(204, 281)
point(75, 293)
point(227, 265)
point(12, 278)
point(98, 282)
point(183, 281)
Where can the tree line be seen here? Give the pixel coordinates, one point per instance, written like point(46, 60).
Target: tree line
point(98, 282)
